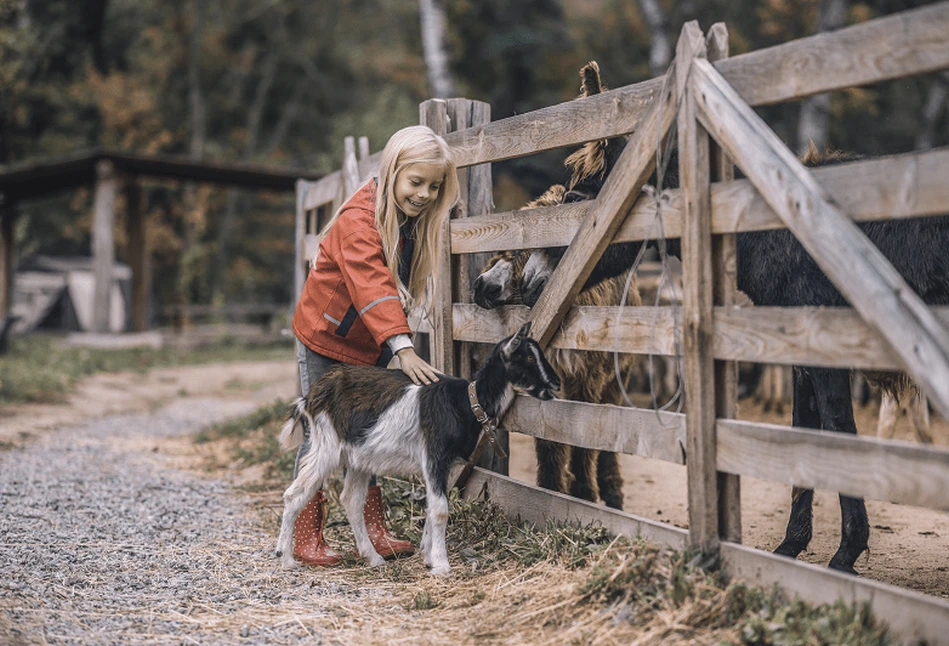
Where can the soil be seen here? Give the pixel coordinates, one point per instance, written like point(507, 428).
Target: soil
point(909, 546)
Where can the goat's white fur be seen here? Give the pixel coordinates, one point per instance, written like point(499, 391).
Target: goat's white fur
point(393, 445)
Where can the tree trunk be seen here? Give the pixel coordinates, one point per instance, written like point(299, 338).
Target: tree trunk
point(433, 47)
point(814, 121)
point(660, 53)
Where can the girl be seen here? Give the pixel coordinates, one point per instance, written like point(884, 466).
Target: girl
point(372, 265)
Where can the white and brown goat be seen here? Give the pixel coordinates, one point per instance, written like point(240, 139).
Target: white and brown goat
point(587, 376)
point(375, 421)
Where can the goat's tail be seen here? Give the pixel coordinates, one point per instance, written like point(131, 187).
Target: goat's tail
point(291, 435)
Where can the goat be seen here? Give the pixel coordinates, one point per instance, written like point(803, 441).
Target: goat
point(774, 269)
point(587, 376)
point(372, 420)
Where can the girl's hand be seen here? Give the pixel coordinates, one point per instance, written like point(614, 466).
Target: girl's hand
point(416, 368)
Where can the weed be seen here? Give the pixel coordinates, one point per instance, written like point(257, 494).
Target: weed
point(424, 601)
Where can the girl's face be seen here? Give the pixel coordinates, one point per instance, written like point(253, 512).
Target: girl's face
point(417, 186)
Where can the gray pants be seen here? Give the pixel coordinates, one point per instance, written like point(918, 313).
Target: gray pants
point(312, 366)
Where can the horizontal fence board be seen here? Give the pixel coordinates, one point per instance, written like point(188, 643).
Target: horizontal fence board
point(901, 44)
point(831, 337)
point(603, 427)
point(901, 472)
point(323, 191)
point(904, 44)
point(537, 506)
point(909, 615)
point(897, 186)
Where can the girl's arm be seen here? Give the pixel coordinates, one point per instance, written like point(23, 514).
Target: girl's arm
point(416, 368)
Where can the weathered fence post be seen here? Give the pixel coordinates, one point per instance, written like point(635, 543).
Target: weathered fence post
point(138, 253)
point(697, 282)
point(351, 179)
point(103, 247)
point(725, 286)
point(434, 114)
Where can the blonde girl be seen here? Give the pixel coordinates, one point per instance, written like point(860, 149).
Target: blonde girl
point(372, 265)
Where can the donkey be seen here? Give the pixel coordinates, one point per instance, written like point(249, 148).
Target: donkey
point(371, 420)
point(774, 269)
point(586, 376)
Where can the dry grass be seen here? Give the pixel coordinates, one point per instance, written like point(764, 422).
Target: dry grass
point(511, 583)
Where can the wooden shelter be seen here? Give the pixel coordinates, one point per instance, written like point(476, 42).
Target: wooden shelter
point(109, 171)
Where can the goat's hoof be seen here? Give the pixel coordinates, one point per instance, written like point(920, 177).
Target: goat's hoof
point(289, 563)
point(376, 561)
point(843, 567)
point(441, 570)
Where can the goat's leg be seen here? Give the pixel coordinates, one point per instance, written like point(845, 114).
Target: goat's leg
point(832, 391)
point(583, 465)
point(609, 479)
point(553, 465)
point(355, 489)
point(436, 521)
point(805, 415)
point(919, 415)
point(889, 411)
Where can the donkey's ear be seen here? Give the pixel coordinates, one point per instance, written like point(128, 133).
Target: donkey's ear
point(515, 341)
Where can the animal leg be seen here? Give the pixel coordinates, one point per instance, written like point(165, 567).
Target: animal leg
point(919, 415)
point(553, 465)
point(294, 500)
point(889, 411)
point(583, 465)
point(436, 521)
point(832, 390)
point(805, 415)
point(609, 480)
point(355, 489)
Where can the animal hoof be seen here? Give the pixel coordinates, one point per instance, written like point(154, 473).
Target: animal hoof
point(789, 550)
point(441, 570)
point(843, 567)
point(376, 561)
point(289, 563)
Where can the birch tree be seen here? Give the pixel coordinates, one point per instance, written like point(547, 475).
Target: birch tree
point(660, 52)
point(814, 121)
point(432, 15)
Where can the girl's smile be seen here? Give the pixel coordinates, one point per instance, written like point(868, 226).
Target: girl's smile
point(417, 186)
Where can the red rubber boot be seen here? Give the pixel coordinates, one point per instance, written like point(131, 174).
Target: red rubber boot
point(385, 543)
point(309, 547)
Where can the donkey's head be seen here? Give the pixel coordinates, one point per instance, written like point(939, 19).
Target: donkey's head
point(499, 282)
point(528, 370)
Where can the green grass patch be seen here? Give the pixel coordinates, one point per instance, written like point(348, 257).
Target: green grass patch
point(39, 369)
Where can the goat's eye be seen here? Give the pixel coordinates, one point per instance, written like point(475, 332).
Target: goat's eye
point(531, 359)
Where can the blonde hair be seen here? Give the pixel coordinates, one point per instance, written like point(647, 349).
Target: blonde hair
point(412, 145)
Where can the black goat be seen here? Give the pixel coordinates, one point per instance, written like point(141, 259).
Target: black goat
point(774, 269)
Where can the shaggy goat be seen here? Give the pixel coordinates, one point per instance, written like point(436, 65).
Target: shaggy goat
point(587, 376)
point(372, 420)
point(774, 269)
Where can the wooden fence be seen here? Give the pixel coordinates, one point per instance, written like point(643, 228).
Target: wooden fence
point(710, 96)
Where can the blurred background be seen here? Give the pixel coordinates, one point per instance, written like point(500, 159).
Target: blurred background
point(281, 82)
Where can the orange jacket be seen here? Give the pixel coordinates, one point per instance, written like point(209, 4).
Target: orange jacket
point(350, 303)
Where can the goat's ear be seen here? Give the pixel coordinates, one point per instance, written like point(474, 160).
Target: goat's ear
point(515, 341)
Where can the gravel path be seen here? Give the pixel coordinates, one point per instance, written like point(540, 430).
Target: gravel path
point(102, 542)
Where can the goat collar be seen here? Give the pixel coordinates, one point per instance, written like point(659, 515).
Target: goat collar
point(488, 424)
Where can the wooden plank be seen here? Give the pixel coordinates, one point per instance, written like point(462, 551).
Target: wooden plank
point(138, 254)
point(901, 44)
point(915, 618)
point(620, 191)
point(300, 261)
point(103, 246)
point(351, 178)
point(323, 191)
point(897, 186)
point(834, 337)
point(856, 267)
point(600, 116)
point(604, 427)
point(901, 472)
point(433, 113)
point(724, 290)
point(537, 506)
point(369, 166)
point(699, 374)
point(363, 154)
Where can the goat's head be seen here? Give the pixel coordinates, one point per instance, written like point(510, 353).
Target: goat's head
point(527, 368)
